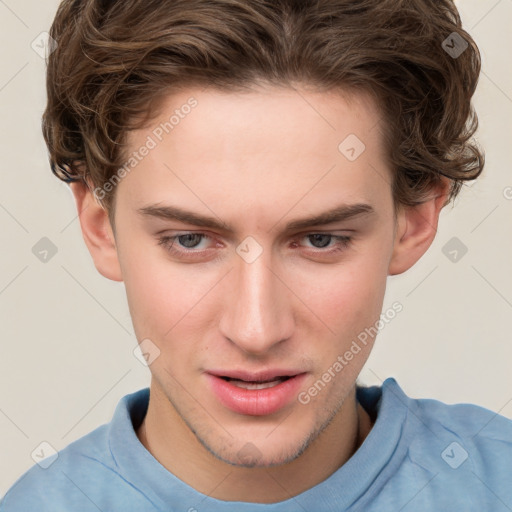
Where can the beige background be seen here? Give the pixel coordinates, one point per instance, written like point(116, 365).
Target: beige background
point(67, 338)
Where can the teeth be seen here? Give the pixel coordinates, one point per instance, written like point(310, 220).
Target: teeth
point(256, 385)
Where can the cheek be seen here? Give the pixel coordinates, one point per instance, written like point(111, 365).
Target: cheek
point(161, 295)
point(346, 297)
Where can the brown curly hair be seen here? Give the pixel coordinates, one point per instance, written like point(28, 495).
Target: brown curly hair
point(115, 58)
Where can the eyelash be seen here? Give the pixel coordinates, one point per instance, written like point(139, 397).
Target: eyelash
point(167, 242)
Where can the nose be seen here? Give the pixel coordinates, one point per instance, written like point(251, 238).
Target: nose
point(257, 314)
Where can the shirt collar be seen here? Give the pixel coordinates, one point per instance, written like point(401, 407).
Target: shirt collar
point(345, 486)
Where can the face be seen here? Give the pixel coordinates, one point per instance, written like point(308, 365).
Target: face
point(253, 289)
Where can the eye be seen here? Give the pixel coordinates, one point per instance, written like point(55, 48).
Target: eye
point(323, 239)
point(187, 245)
point(190, 240)
point(185, 241)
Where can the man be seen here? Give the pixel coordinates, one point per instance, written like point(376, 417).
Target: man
point(253, 172)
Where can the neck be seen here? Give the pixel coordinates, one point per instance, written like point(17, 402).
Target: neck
point(164, 434)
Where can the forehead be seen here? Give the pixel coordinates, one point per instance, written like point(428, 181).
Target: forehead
point(267, 146)
point(256, 114)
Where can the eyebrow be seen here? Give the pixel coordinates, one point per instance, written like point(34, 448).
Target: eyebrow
point(337, 214)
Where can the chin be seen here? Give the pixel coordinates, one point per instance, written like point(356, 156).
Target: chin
point(263, 454)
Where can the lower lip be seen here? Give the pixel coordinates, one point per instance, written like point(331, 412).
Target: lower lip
point(255, 402)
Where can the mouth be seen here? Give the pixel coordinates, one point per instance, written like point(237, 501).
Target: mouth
point(255, 394)
point(264, 384)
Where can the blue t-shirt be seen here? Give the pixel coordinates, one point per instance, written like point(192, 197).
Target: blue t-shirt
point(421, 455)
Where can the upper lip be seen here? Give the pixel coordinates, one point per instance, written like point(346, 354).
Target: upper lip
point(260, 376)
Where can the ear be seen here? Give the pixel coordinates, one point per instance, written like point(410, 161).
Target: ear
point(97, 232)
point(416, 229)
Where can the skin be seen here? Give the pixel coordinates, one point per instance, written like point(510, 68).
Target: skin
point(256, 160)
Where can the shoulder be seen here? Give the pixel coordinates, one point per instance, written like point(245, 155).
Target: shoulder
point(82, 475)
point(466, 421)
point(463, 450)
point(473, 424)
point(52, 478)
